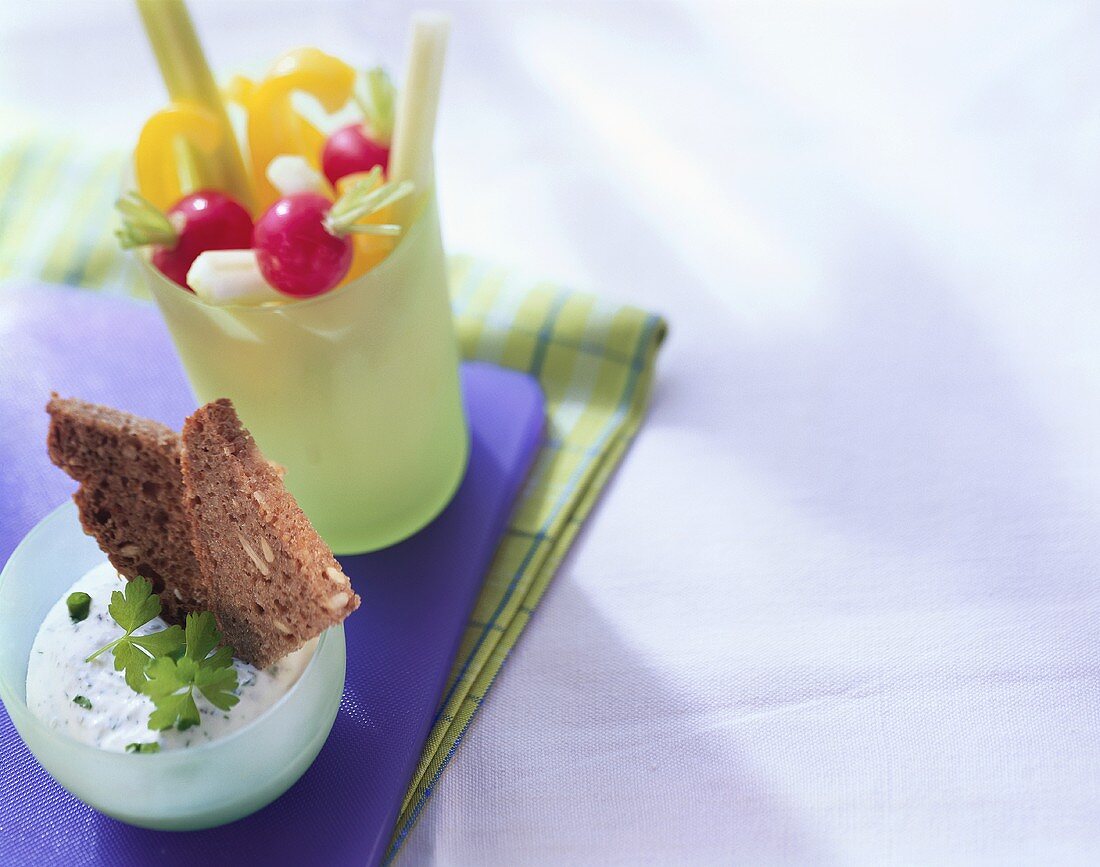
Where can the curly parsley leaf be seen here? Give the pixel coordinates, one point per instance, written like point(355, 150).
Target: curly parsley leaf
point(218, 684)
point(135, 605)
point(172, 682)
point(202, 635)
point(131, 608)
point(170, 687)
point(167, 642)
point(130, 659)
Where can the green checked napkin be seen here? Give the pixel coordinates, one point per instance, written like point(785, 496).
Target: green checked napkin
point(595, 363)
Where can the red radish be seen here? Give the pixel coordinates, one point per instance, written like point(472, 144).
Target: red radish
point(206, 220)
point(350, 150)
point(296, 253)
point(362, 146)
point(302, 244)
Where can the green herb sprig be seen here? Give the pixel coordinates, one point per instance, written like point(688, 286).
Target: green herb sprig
point(131, 608)
point(172, 682)
point(171, 664)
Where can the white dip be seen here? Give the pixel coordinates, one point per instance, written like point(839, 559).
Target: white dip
point(57, 673)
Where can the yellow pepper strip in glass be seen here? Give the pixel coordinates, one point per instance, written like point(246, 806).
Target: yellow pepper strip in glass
point(368, 250)
point(275, 128)
point(161, 177)
point(239, 89)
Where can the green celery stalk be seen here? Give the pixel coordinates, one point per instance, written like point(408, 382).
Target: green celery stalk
point(188, 78)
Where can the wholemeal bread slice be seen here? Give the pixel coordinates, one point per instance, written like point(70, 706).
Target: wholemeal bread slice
point(130, 496)
point(270, 580)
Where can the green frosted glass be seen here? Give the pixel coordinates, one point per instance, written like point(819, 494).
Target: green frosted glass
point(355, 392)
point(197, 787)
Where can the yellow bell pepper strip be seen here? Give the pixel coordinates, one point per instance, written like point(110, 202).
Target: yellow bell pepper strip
point(370, 249)
point(188, 79)
point(157, 167)
point(275, 128)
point(239, 89)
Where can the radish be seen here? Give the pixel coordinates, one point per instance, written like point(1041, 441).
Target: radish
point(302, 242)
point(206, 220)
point(362, 146)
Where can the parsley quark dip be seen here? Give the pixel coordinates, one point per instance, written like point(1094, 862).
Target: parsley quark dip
point(92, 703)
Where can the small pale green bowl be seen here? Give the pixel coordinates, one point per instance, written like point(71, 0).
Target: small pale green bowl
point(178, 790)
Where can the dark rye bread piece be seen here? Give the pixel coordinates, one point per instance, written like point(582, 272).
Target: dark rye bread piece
point(271, 581)
point(130, 496)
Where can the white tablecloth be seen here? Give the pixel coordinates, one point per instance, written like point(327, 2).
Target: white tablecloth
point(840, 604)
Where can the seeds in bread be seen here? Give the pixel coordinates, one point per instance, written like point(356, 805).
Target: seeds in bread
point(130, 497)
point(270, 580)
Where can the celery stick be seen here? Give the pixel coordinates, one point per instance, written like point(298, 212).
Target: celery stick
point(414, 125)
point(187, 77)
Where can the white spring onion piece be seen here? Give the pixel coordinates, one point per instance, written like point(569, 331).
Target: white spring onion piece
point(292, 174)
point(230, 277)
point(414, 124)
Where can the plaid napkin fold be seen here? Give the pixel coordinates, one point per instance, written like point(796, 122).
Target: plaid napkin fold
point(595, 363)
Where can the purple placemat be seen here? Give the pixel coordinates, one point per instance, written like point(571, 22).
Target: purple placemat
point(416, 597)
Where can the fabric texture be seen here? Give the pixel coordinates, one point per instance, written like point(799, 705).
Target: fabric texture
point(595, 363)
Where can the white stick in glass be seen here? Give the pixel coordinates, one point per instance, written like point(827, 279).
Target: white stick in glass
point(414, 125)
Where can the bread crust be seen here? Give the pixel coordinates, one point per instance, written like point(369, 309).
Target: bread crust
point(204, 517)
point(270, 579)
point(130, 497)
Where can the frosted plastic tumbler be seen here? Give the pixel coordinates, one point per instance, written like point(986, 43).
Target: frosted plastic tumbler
point(355, 392)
